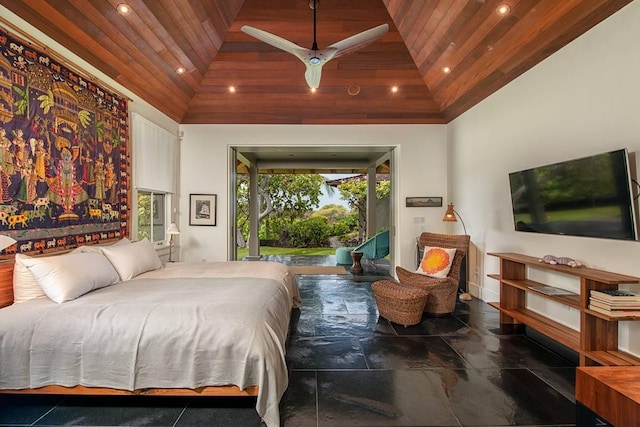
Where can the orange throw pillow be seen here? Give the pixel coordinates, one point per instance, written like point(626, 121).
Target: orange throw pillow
point(436, 262)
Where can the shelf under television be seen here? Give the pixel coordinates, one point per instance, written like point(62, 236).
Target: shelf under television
point(597, 340)
point(572, 300)
point(554, 330)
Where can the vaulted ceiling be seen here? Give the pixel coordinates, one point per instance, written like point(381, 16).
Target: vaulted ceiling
point(482, 49)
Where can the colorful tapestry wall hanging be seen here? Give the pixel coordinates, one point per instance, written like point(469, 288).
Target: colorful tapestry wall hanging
point(64, 162)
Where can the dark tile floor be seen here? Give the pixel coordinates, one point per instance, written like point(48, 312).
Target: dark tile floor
point(348, 367)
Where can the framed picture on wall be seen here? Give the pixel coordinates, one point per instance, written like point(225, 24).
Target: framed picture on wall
point(424, 202)
point(202, 209)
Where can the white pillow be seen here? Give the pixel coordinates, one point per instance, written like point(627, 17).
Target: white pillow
point(96, 248)
point(25, 286)
point(436, 262)
point(66, 277)
point(134, 259)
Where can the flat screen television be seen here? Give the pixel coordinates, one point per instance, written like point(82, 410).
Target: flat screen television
point(590, 196)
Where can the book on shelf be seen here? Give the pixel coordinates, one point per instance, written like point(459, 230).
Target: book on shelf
point(551, 290)
point(615, 313)
point(615, 295)
point(623, 305)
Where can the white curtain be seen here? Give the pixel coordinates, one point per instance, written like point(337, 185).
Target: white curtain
point(155, 153)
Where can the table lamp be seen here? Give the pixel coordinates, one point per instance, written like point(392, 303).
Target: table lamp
point(172, 231)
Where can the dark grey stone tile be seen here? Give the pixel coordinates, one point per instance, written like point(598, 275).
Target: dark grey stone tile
point(504, 351)
point(331, 304)
point(220, 412)
point(562, 380)
point(443, 325)
point(115, 411)
point(25, 409)
point(307, 290)
point(381, 398)
point(298, 405)
point(361, 305)
point(325, 353)
point(310, 308)
point(410, 353)
point(352, 326)
point(305, 326)
point(501, 397)
point(481, 320)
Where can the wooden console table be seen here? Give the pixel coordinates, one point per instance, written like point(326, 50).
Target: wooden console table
point(597, 340)
point(610, 392)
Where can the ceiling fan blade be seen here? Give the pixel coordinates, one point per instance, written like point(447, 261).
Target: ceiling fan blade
point(275, 41)
point(313, 73)
point(359, 40)
point(315, 59)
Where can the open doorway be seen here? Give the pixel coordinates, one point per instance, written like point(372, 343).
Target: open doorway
point(288, 173)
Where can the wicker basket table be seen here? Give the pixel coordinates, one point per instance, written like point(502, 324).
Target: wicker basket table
point(399, 303)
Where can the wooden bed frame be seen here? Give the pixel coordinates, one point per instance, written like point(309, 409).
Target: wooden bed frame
point(6, 299)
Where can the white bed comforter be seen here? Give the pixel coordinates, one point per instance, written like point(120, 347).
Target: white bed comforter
point(186, 326)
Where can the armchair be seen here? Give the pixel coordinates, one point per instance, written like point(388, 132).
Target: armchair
point(442, 292)
point(376, 247)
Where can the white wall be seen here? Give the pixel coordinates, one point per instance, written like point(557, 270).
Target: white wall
point(583, 100)
point(420, 152)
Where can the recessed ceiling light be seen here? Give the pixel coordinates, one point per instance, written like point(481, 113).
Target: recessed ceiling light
point(394, 89)
point(232, 89)
point(180, 70)
point(503, 9)
point(123, 8)
point(446, 70)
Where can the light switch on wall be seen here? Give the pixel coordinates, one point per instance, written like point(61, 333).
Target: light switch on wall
point(418, 219)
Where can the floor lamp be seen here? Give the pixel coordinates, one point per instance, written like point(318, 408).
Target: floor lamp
point(172, 231)
point(451, 215)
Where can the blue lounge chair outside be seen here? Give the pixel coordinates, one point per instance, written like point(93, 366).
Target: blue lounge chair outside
point(376, 247)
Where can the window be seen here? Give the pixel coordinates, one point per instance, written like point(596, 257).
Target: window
point(155, 159)
point(151, 216)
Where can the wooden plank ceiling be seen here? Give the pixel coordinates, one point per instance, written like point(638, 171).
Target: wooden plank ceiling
point(143, 49)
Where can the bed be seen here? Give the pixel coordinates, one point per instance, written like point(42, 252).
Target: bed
point(214, 329)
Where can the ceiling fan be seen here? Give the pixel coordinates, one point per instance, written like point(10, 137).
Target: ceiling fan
point(315, 58)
